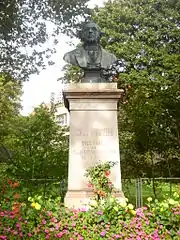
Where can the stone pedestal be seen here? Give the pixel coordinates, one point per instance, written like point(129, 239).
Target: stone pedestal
point(93, 136)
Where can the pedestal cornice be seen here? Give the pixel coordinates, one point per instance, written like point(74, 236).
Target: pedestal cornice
point(91, 91)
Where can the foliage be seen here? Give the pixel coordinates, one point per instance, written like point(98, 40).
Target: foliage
point(10, 93)
point(9, 102)
point(144, 35)
point(71, 74)
point(123, 222)
point(34, 146)
point(106, 218)
point(27, 25)
point(39, 146)
point(99, 179)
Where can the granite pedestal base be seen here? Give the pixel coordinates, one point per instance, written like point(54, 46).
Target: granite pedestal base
point(93, 136)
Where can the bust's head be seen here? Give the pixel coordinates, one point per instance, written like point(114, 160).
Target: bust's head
point(90, 33)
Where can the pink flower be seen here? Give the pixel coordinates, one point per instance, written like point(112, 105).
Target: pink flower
point(177, 213)
point(99, 212)
point(47, 236)
point(49, 214)
point(59, 235)
point(54, 220)
point(80, 237)
point(18, 225)
point(118, 236)
point(44, 221)
point(83, 209)
point(1, 215)
point(103, 233)
point(57, 226)
point(3, 237)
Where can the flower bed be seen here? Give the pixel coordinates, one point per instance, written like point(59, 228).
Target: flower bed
point(103, 218)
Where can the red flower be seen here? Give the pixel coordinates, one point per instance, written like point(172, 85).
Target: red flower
point(16, 195)
point(115, 79)
point(16, 209)
point(9, 181)
point(101, 193)
point(109, 184)
point(89, 185)
point(107, 173)
point(15, 184)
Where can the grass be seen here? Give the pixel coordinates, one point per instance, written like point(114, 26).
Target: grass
point(162, 189)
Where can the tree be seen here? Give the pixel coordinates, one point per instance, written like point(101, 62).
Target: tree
point(24, 28)
point(145, 36)
point(72, 74)
point(39, 146)
point(10, 93)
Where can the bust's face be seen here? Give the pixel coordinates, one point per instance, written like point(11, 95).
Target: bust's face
point(91, 33)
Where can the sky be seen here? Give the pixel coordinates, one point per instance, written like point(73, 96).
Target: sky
point(39, 87)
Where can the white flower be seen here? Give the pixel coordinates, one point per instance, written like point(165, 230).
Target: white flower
point(176, 195)
point(172, 202)
point(126, 199)
point(102, 201)
point(130, 206)
point(165, 205)
point(93, 203)
point(149, 199)
point(123, 203)
point(111, 199)
point(30, 199)
point(116, 208)
point(39, 197)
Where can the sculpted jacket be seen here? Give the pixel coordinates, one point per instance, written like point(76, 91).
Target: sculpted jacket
point(78, 57)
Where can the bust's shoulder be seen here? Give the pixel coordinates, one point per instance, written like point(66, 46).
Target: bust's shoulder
point(71, 57)
point(108, 54)
point(76, 51)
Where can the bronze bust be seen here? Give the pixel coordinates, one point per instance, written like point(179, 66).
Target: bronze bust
point(91, 57)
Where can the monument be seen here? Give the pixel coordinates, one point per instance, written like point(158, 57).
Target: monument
point(93, 117)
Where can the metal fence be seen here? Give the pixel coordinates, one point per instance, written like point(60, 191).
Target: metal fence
point(138, 190)
point(45, 187)
point(41, 187)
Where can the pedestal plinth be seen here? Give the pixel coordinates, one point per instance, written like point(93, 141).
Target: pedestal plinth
point(93, 136)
